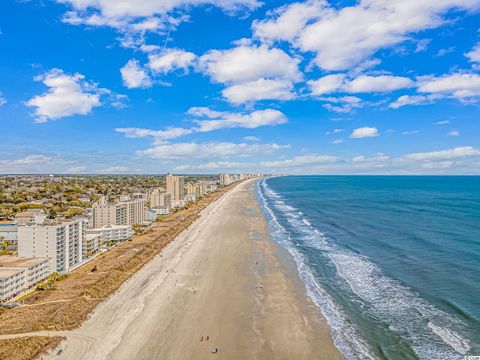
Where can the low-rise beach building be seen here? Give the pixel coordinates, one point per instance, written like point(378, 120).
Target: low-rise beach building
point(113, 232)
point(18, 274)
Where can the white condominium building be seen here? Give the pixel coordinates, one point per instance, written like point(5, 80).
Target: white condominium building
point(160, 199)
point(60, 242)
point(113, 232)
point(120, 213)
point(225, 179)
point(12, 282)
point(18, 274)
point(195, 189)
point(175, 186)
point(91, 244)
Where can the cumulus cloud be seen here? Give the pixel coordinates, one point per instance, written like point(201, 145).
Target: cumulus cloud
point(170, 60)
point(167, 134)
point(216, 166)
point(286, 22)
point(249, 63)
point(67, 95)
point(33, 163)
point(413, 100)
point(135, 18)
point(115, 170)
point(449, 154)
point(361, 84)
point(134, 76)
point(382, 83)
point(343, 104)
point(261, 89)
point(300, 161)
point(461, 85)
point(379, 157)
point(474, 55)
point(327, 84)
point(3, 101)
point(209, 120)
point(268, 117)
point(364, 132)
point(192, 150)
point(344, 37)
point(251, 138)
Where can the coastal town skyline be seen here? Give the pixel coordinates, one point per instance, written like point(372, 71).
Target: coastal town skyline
point(339, 87)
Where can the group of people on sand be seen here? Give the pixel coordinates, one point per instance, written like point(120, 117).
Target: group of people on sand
point(207, 338)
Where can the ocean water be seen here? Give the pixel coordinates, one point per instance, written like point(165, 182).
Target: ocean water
point(392, 262)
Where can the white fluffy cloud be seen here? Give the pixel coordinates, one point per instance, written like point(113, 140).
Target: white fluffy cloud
point(115, 170)
point(460, 85)
point(261, 89)
point(286, 22)
point(413, 100)
point(343, 104)
point(210, 120)
point(249, 63)
point(192, 150)
point(167, 134)
point(134, 18)
point(380, 157)
point(120, 9)
point(361, 84)
point(67, 95)
point(134, 76)
point(449, 154)
point(268, 117)
point(3, 101)
point(344, 37)
point(216, 166)
point(474, 55)
point(382, 83)
point(364, 132)
point(327, 84)
point(170, 60)
point(300, 161)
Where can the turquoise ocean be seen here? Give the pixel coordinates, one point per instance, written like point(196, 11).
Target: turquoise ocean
point(392, 262)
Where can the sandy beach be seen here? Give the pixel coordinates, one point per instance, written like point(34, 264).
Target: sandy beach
point(222, 279)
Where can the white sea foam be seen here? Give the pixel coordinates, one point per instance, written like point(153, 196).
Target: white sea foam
point(405, 312)
point(451, 338)
point(344, 334)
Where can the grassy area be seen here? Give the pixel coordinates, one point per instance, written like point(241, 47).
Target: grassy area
point(89, 285)
point(27, 348)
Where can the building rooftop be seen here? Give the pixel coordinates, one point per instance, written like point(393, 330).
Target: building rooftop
point(7, 222)
point(15, 261)
point(6, 273)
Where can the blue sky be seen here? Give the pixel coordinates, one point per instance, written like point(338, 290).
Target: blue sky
point(206, 86)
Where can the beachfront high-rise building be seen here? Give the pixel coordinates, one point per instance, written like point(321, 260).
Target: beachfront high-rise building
point(61, 242)
point(120, 213)
point(159, 199)
point(175, 186)
point(225, 179)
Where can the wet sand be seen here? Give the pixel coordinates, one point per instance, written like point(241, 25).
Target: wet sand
point(223, 278)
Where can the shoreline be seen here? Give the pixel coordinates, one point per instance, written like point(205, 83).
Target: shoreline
point(222, 277)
